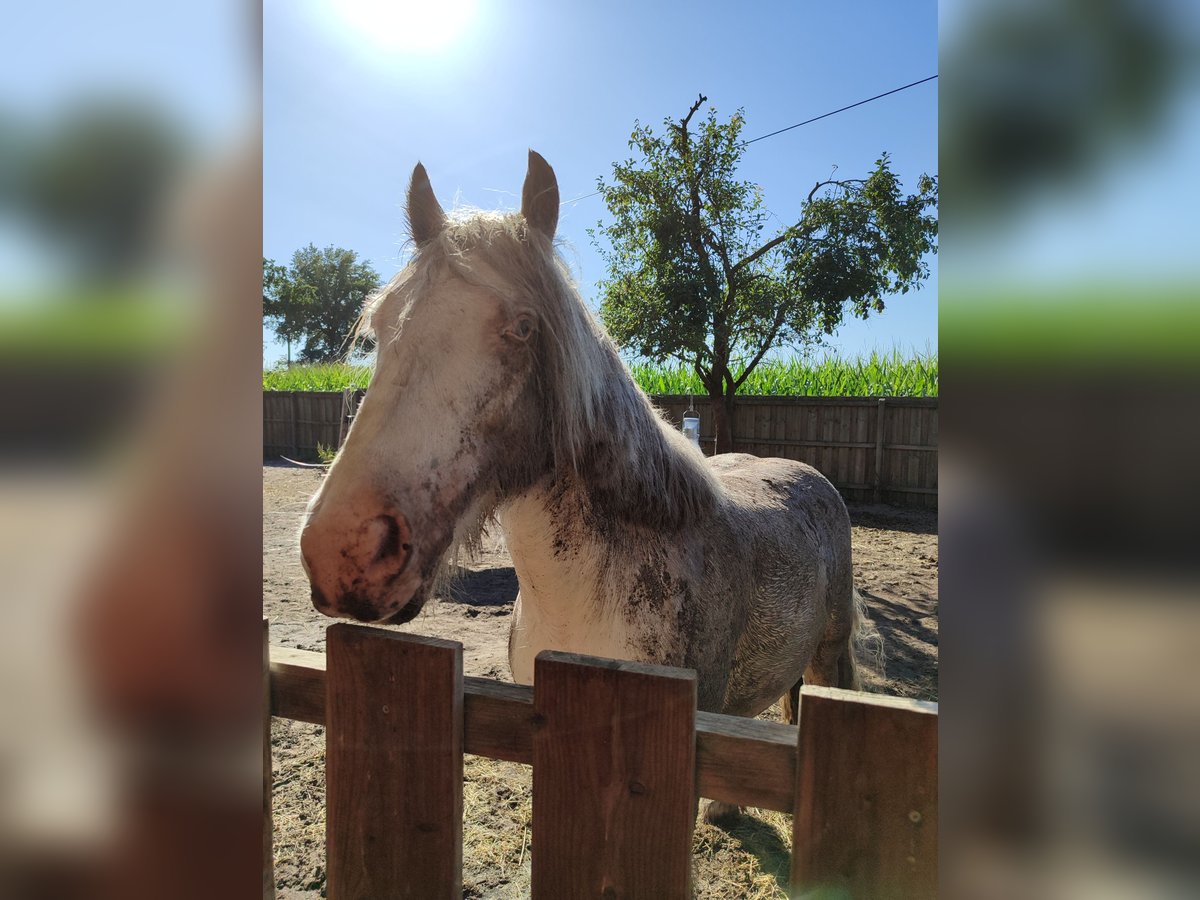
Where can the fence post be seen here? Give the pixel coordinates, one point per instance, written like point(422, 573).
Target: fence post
point(865, 820)
point(614, 778)
point(268, 837)
point(877, 490)
point(295, 430)
point(393, 765)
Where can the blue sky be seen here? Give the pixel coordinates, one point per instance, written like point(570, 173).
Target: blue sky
point(353, 96)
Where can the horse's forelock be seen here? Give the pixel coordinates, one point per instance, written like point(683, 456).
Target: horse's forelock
point(502, 254)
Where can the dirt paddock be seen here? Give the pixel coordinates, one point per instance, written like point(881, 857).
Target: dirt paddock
point(895, 566)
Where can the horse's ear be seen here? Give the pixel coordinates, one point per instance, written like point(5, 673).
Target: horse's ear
point(539, 197)
point(425, 216)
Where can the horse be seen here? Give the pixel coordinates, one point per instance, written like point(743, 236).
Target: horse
point(496, 398)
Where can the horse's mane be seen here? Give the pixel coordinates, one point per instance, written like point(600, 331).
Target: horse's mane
point(605, 434)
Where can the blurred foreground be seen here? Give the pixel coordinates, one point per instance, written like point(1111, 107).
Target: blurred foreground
point(130, 215)
point(130, 494)
point(1070, 336)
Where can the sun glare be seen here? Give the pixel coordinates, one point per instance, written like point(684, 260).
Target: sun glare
point(419, 25)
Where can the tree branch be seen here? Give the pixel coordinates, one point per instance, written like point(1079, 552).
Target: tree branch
point(793, 231)
point(766, 345)
point(695, 221)
point(691, 112)
point(766, 248)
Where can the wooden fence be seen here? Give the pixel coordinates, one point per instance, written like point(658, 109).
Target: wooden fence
point(880, 449)
point(619, 754)
point(298, 424)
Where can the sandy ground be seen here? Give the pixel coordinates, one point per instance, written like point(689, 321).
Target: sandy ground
point(895, 566)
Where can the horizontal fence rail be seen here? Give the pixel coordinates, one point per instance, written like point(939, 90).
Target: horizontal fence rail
point(619, 753)
point(874, 449)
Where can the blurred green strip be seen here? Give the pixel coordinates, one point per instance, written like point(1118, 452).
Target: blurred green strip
point(1151, 324)
point(103, 328)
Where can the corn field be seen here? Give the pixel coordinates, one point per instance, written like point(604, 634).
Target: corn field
point(880, 374)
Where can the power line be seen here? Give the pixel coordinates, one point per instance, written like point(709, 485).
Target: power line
point(843, 109)
point(798, 124)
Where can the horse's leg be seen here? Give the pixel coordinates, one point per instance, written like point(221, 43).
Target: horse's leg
point(790, 703)
point(832, 666)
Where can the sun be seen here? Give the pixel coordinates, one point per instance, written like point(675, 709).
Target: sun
point(418, 25)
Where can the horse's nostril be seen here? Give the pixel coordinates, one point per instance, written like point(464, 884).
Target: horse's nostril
point(390, 545)
point(319, 599)
point(393, 539)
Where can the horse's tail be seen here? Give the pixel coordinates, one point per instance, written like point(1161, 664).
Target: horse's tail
point(865, 645)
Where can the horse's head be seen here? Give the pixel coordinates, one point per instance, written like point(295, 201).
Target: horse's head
point(447, 425)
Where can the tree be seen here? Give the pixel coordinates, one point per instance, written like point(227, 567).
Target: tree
point(286, 303)
point(694, 275)
point(1044, 94)
point(97, 182)
point(318, 298)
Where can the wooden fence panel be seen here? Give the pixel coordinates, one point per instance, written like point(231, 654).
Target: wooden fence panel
point(837, 435)
point(746, 762)
point(393, 765)
point(614, 779)
point(619, 754)
point(865, 820)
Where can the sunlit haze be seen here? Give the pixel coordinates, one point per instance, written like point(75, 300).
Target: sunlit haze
point(415, 25)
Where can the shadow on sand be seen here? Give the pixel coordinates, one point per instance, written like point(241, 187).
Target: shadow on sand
point(753, 836)
point(893, 518)
point(483, 587)
point(910, 647)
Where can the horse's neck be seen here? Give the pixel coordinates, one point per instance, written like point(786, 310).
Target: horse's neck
point(636, 482)
point(637, 471)
point(562, 571)
point(557, 556)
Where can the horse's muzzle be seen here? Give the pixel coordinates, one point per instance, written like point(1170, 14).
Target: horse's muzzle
point(356, 567)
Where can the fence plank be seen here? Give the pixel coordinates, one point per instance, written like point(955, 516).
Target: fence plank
point(268, 825)
point(614, 762)
point(298, 685)
point(747, 762)
point(393, 765)
point(498, 720)
point(878, 479)
point(866, 802)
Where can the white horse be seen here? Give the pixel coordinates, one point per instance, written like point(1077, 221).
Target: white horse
point(497, 396)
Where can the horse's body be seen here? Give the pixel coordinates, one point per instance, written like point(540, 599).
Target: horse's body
point(495, 395)
point(742, 594)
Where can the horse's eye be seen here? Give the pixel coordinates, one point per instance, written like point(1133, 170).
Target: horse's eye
point(521, 329)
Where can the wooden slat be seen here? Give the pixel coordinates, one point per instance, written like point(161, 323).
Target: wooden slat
point(878, 476)
point(268, 825)
point(499, 720)
point(866, 796)
point(295, 415)
point(393, 765)
point(744, 761)
point(298, 685)
point(614, 762)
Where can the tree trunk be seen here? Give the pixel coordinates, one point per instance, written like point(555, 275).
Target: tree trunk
point(722, 407)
